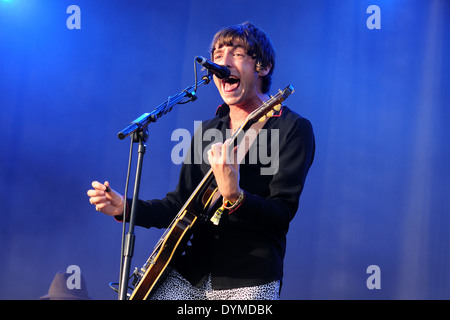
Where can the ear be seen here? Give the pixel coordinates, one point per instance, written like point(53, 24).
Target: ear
point(262, 72)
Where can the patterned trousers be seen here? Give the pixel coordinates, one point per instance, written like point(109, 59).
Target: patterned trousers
point(176, 287)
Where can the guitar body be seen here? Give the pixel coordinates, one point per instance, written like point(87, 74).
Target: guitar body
point(199, 206)
point(174, 240)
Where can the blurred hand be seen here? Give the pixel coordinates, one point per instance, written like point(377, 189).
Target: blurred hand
point(105, 199)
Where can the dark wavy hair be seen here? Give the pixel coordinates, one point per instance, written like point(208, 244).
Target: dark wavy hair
point(256, 43)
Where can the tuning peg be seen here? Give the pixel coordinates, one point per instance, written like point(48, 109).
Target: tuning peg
point(277, 107)
point(262, 119)
point(269, 114)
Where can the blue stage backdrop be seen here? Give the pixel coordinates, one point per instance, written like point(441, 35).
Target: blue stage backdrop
point(373, 221)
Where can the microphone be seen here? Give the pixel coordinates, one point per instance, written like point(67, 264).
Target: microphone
point(221, 72)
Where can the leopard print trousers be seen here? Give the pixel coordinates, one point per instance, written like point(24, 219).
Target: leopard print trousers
point(176, 287)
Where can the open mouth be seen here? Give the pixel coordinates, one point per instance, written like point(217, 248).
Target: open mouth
point(231, 84)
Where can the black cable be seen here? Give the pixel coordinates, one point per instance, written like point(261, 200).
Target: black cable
point(192, 96)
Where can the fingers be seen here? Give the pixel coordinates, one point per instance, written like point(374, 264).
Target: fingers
point(98, 200)
point(216, 150)
point(223, 160)
point(214, 153)
point(104, 198)
point(99, 186)
point(222, 153)
point(229, 153)
point(102, 205)
point(94, 194)
point(99, 190)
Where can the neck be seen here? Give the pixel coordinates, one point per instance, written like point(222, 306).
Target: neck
point(239, 113)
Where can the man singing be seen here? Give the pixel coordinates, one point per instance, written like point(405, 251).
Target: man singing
point(241, 255)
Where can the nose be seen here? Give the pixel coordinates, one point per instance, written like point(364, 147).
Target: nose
point(227, 60)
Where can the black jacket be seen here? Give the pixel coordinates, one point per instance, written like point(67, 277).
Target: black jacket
point(247, 248)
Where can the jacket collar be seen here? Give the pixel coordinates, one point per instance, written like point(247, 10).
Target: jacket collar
point(223, 110)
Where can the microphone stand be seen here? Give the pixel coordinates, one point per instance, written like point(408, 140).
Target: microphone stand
point(139, 131)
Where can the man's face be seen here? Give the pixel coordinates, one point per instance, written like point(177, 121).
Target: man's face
point(243, 86)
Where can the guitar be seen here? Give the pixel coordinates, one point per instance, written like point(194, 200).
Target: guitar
point(198, 207)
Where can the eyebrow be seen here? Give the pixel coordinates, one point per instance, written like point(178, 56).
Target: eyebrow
point(235, 46)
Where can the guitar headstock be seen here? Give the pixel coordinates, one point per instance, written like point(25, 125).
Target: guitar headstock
point(268, 108)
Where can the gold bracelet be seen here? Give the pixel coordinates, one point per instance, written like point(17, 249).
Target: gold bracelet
point(218, 214)
point(235, 204)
